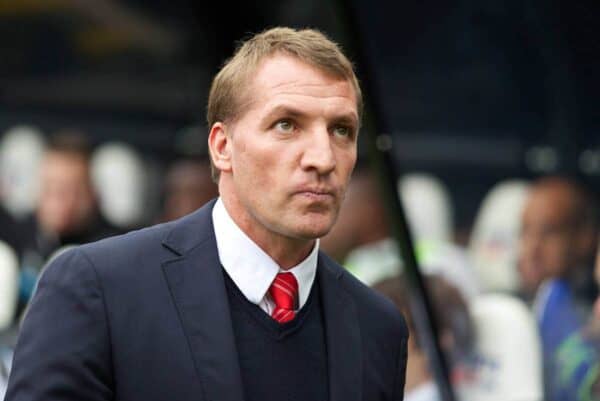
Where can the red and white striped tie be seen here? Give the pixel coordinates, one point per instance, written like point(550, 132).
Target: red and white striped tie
point(284, 291)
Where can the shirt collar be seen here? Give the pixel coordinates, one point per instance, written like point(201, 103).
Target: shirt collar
point(251, 269)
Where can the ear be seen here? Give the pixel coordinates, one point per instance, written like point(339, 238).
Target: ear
point(219, 145)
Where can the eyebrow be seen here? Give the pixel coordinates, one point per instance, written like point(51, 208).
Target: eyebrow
point(284, 110)
point(345, 118)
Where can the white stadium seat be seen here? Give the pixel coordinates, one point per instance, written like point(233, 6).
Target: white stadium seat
point(21, 152)
point(427, 206)
point(508, 352)
point(119, 175)
point(493, 246)
point(9, 285)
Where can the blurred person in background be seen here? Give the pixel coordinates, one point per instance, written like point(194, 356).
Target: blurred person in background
point(188, 185)
point(557, 249)
point(559, 227)
point(455, 332)
point(66, 211)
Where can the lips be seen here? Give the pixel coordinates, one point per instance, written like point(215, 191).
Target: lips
point(316, 194)
point(316, 191)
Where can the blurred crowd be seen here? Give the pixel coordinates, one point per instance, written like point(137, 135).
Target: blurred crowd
point(60, 190)
point(515, 305)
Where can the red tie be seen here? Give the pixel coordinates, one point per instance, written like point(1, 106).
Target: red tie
point(284, 291)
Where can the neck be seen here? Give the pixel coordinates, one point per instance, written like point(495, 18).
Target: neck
point(285, 251)
point(417, 371)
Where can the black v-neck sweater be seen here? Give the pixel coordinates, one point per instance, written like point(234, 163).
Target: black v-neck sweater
point(280, 362)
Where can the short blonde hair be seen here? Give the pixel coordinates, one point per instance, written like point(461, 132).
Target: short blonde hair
point(229, 88)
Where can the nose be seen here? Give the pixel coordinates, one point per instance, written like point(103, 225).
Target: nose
point(319, 154)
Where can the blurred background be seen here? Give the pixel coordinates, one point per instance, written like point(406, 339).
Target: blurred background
point(490, 109)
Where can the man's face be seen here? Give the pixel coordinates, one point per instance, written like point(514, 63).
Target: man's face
point(546, 244)
point(292, 152)
point(66, 197)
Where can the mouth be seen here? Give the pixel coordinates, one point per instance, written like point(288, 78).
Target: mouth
point(316, 194)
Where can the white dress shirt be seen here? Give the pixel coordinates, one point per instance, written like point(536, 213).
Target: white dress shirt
point(250, 268)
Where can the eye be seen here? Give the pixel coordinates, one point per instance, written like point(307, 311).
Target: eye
point(285, 126)
point(342, 130)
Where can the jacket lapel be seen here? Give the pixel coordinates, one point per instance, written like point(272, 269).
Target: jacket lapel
point(342, 333)
point(198, 289)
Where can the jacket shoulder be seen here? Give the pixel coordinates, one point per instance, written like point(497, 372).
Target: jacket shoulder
point(144, 249)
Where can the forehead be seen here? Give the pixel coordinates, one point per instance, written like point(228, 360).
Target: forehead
point(64, 163)
point(281, 77)
point(551, 204)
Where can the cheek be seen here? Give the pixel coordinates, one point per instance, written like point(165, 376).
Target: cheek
point(254, 169)
point(348, 161)
point(557, 250)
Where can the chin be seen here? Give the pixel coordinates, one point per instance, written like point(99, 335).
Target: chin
point(308, 226)
point(314, 231)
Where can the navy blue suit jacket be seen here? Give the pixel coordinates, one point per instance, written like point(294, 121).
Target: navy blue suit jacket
point(145, 316)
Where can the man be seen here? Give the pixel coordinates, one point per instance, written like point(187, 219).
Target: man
point(67, 208)
point(558, 241)
point(558, 234)
point(233, 302)
point(66, 211)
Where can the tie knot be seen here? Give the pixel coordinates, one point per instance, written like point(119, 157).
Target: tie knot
point(284, 292)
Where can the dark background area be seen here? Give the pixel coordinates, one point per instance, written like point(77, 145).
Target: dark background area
point(473, 91)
